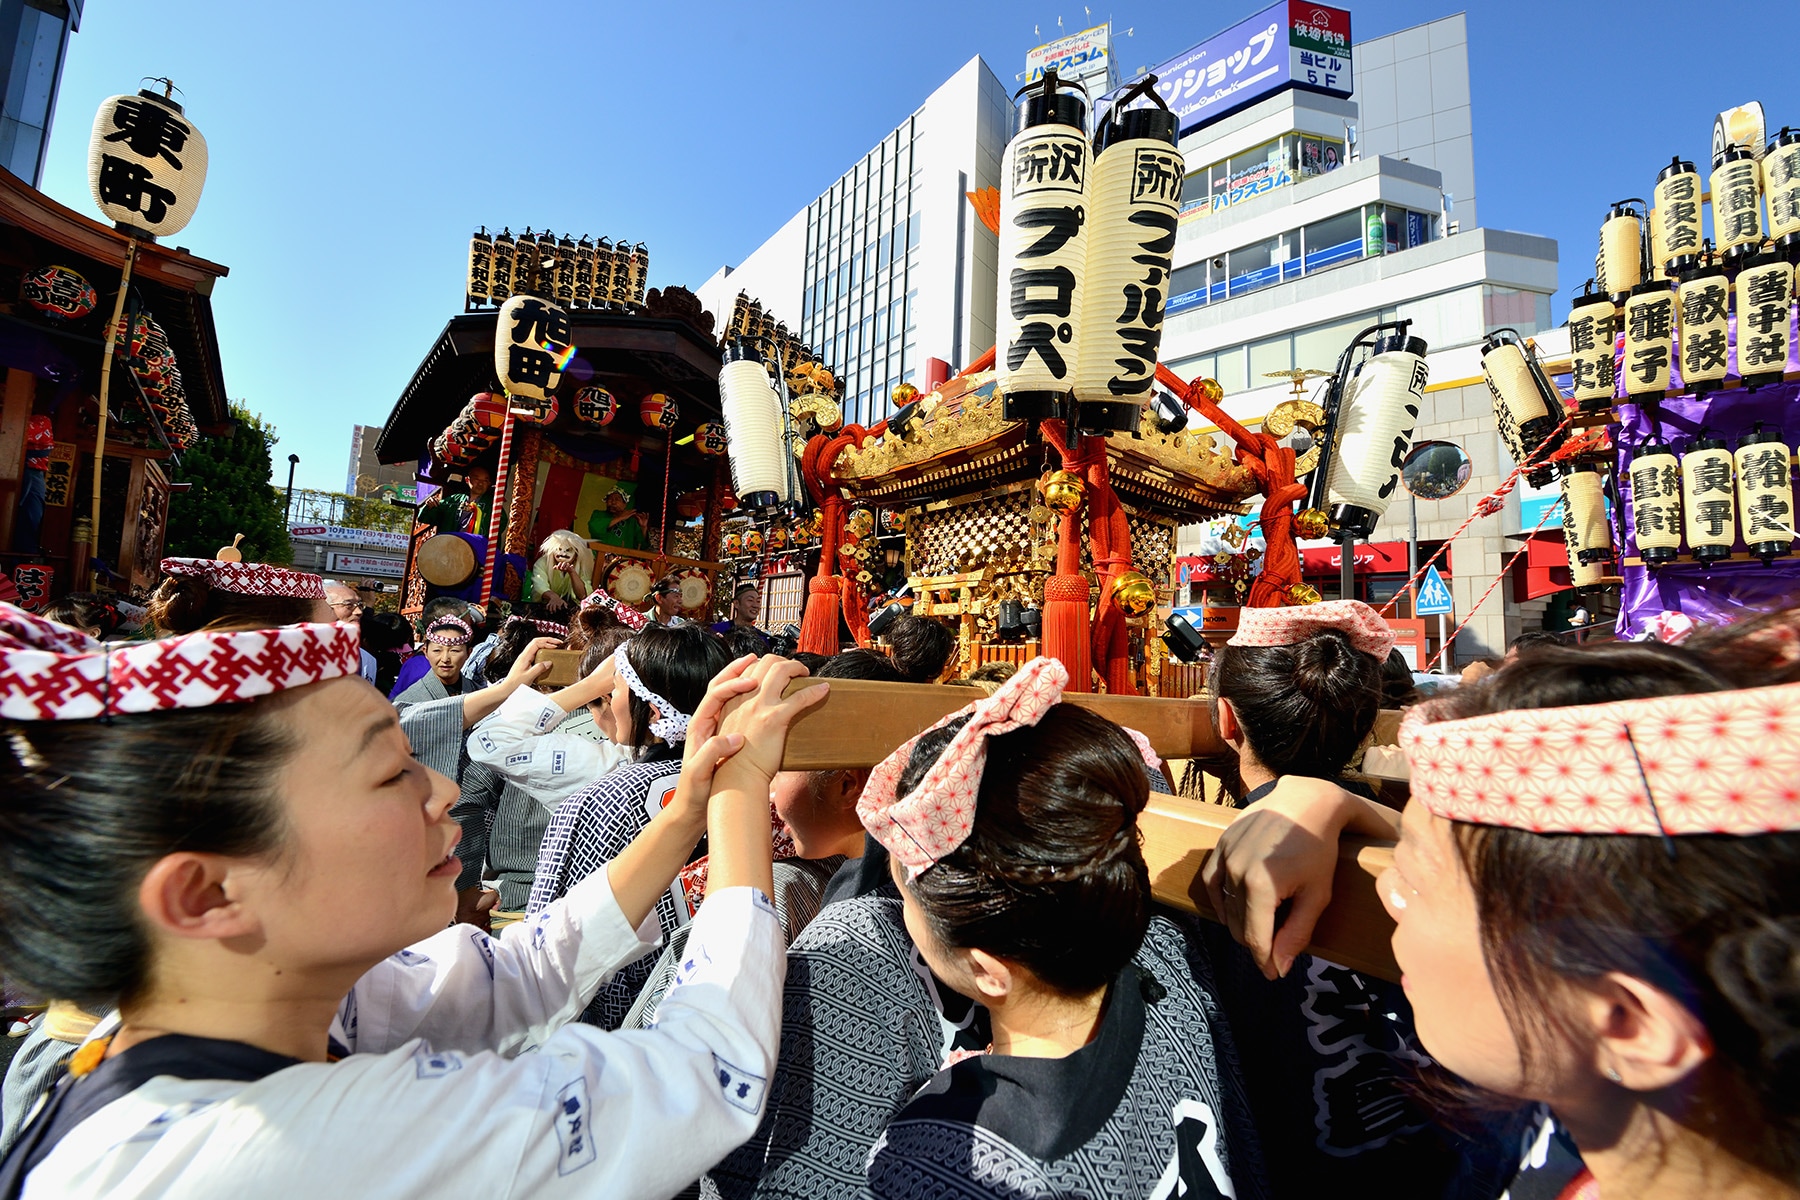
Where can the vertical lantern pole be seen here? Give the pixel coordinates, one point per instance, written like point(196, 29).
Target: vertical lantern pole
point(502, 471)
point(106, 361)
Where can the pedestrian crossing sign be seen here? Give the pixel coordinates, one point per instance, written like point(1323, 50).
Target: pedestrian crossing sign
point(1434, 596)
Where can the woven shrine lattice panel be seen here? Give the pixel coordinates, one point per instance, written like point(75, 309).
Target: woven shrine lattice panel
point(1016, 535)
point(784, 601)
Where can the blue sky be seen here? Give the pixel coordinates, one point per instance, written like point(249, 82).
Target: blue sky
point(355, 146)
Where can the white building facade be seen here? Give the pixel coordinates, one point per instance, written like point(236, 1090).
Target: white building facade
point(890, 268)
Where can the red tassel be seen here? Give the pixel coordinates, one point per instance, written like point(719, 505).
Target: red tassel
point(818, 628)
point(1066, 627)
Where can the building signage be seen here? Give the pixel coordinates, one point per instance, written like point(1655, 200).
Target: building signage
point(379, 538)
point(1080, 57)
point(362, 564)
point(1290, 44)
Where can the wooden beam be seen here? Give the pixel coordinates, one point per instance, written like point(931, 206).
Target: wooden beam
point(1355, 930)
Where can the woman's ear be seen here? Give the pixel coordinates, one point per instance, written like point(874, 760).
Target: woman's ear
point(1226, 718)
point(992, 977)
point(189, 895)
point(1645, 1039)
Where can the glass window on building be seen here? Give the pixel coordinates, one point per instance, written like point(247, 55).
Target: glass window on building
point(1333, 241)
point(1228, 369)
point(1196, 189)
point(1187, 287)
point(1318, 347)
point(1316, 155)
point(1501, 307)
point(1270, 354)
point(1257, 265)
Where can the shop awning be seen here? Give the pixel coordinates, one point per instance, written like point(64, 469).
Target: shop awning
point(1368, 558)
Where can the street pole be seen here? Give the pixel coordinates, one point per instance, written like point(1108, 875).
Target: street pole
point(293, 461)
point(1412, 571)
point(1347, 568)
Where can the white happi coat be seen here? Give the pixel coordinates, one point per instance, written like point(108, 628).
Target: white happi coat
point(467, 1079)
point(519, 742)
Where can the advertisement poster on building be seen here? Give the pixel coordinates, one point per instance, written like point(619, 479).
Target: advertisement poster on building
point(1084, 57)
point(363, 564)
point(1286, 45)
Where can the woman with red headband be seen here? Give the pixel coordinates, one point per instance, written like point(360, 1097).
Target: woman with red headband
point(1597, 905)
point(214, 805)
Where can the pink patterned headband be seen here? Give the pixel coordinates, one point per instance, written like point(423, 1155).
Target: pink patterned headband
point(249, 579)
point(1716, 762)
point(1291, 625)
point(455, 632)
point(629, 617)
point(49, 672)
point(553, 629)
point(936, 817)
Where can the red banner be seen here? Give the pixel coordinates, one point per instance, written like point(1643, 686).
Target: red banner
point(1370, 558)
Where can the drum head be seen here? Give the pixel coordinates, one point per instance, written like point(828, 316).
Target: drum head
point(445, 560)
point(696, 589)
point(630, 582)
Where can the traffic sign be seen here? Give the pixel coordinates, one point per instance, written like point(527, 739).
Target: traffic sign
point(1434, 597)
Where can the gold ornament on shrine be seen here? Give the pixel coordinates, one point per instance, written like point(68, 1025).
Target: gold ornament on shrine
point(1656, 503)
point(1235, 534)
point(1311, 523)
point(1063, 491)
point(1303, 593)
point(1708, 499)
point(904, 394)
point(860, 523)
point(1134, 593)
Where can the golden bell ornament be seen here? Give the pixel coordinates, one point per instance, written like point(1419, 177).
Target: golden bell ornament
point(1311, 523)
point(1063, 491)
point(1304, 593)
point(1135, 594)
point(1211, 390)
point(905, 393)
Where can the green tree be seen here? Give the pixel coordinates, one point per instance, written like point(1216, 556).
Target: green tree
point(230, 495)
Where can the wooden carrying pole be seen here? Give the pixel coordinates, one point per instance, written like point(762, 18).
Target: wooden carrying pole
point(106, 362)
point(860, 723)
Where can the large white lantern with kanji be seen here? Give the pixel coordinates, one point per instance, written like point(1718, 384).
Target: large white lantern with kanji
point(532, 346)
point(1375, 427)
point(146, 163)
point(755, 441)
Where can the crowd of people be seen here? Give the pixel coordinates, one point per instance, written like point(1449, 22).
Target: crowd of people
point(309, 913)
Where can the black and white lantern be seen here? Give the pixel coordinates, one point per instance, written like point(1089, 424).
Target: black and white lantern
point(1586, 531)
point(1656, 503)
point(1765, 479)
point(1375, 427)
point(1737, 213)
point(1781, 186)
point(1707, 497)
point(500, 280)
point(1044, 190)
point(603, 273)
point(146, 163)
point(1622, 249)
point(1134, 199)
point(755, 438)
point(525, 264)
point(640, 272)
point(1527, 406)
point(563, 275)
point(1593, 332)
point(584, 273)
point(1676, 217)
point(1704, 299)
point(532, 347)
point(621, 273)
point(1765, 298)
point(1649, 340)
point(481, 267)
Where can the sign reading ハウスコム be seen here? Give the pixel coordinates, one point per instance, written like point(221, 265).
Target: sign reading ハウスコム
point(1290, 44)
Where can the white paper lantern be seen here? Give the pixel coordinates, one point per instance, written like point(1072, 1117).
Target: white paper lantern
point(1044, 188)
point(1656, 503)
point(1765, 295)
point(532, 346)
point(1593, 330)
point(1586, 530)
point(1765, 479)
point(759, 467)
point(1737, 211)
point(1527, 406)
point(1134, 201)
point(500, 278)
point(146, 163)
point(584, 273)
point(1649, 340)
point(1676, 219)
point(481, 268)
point(1704, 300)
point(1621, 249)
point(1707, 499)
point(1781, 186)
point(1375, 427)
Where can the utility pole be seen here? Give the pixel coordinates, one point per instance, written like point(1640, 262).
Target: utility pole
point(293, 461)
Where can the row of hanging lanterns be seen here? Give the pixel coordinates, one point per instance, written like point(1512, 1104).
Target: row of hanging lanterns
point(1087, 235)
point(1693, 498)
point(573, 273)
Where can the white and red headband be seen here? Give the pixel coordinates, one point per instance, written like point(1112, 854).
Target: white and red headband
point(49, 672)
point(449, 631)
point(1293, 624)
point(249, 579)
point(628, 616)
point(937, 816)
point(1715, 762)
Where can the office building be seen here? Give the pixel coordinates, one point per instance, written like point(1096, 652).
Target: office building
point(889, 274)
point(367, 476)
point(36, 32)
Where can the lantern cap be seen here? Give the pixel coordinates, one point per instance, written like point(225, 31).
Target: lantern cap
point(1707, 270)
point(1588, 296)
point(1731, 153)
point(741, 350)
point(1677, 166)
point(1706, 439)
point(1763, 258)
point(1402, 342)
point(1759, 434)
point(1622, 208)
point(1787, 137)
point(1137, 124)
point(1654, 446)
point(1046, 102)
point(1648, 286)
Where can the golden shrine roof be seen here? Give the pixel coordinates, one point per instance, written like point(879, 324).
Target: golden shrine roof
point(962, 444)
